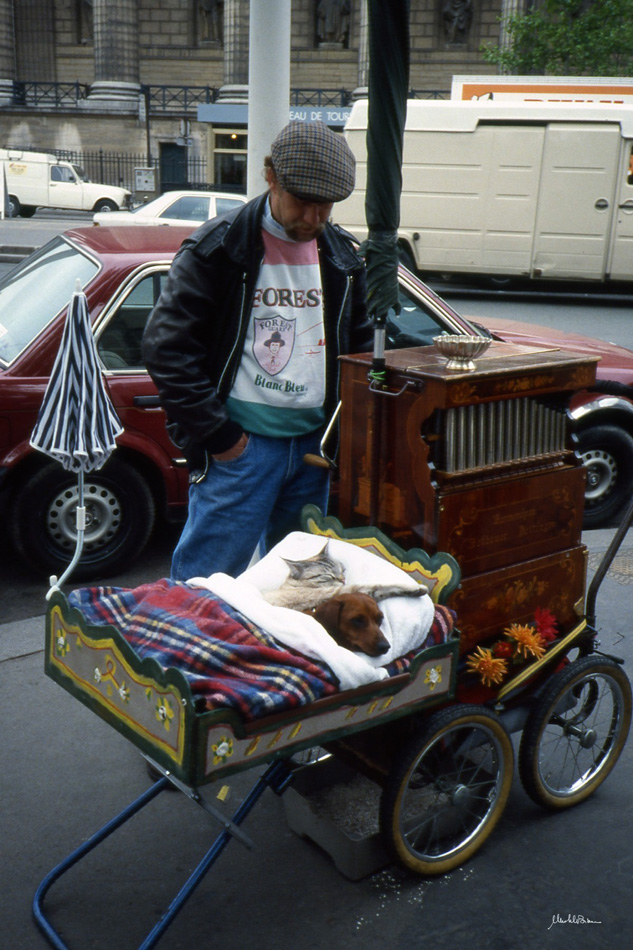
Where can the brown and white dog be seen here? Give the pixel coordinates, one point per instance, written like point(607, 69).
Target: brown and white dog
point(353, 621)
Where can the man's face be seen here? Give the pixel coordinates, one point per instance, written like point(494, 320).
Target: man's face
point(301, 220)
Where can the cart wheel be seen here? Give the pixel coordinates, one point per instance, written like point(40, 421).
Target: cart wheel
point(575, 732)
point(447, 790)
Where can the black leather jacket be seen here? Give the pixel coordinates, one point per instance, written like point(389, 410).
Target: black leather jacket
point(194, 337)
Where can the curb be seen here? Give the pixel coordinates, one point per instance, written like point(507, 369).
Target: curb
point(13, 253)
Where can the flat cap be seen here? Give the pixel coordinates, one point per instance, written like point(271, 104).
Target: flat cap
point(313, 163)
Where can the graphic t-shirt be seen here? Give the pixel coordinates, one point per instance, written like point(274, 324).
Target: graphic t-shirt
point(279, 388)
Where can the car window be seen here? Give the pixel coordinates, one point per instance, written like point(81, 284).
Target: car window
point(222, 205)
point(119, 339)
point(34, 292)
point(61, 173)
point(188, 208)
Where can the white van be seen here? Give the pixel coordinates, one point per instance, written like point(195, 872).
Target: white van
point(38, 180)
point(519, 189)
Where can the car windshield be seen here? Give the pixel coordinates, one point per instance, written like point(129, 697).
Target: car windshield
point(423, 316)
point(80, 173)
point(188, 208)
point(33, 293)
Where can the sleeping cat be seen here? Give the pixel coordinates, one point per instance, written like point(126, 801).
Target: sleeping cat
point(315, 579)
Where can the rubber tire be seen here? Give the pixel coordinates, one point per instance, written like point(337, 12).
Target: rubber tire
point(27, 211)
point(613, 449)
point(455, 726)
point(405, 256)
point(105, 204)
point(118, 501)
point(604, 697)
point(13, 207)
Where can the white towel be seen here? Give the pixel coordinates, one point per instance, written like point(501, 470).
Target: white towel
point(294, 629)
point(406, 624)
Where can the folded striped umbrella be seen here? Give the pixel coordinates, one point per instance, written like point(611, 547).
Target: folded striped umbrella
point(77, 424)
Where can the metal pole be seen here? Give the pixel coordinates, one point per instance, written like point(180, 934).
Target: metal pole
point(268, 84)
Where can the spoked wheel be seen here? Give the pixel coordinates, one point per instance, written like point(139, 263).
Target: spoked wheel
point(575, 732)
point(448, 790)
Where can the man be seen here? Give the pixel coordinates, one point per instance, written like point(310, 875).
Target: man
point(243, 346)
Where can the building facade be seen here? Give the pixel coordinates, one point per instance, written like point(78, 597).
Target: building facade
point(147, 77)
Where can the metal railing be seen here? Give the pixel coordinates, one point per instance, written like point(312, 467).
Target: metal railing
point(177, 100)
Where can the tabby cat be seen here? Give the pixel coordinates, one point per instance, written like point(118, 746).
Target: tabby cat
point(315, 579)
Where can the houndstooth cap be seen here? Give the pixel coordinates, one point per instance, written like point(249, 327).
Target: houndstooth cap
point(313, 163)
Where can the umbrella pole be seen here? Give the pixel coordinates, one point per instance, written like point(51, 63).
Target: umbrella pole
point(80, 515)
point(377, 382)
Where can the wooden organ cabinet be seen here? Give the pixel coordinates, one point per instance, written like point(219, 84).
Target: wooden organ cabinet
point(477, 463)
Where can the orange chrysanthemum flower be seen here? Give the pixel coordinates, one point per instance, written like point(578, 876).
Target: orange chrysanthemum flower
point(527, 641)
point(490, 668)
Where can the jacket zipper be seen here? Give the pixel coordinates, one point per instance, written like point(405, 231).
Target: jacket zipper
point(238, 340)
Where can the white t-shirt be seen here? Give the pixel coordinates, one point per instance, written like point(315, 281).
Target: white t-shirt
point(279, 388)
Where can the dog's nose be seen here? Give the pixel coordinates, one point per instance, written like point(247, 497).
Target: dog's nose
point(383, 647)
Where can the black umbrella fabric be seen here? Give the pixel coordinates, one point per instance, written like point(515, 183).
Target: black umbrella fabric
point(387, 109)
point(77, 425)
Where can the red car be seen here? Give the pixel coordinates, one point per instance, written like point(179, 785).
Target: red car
point(121, 271)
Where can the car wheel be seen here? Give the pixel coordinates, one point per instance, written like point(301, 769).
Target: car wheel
point(120, 514)
point(105, 205)
point(13, 207)
point(607, 454)
point(27, 211)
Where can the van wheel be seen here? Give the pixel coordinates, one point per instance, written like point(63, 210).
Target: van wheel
point(106, 205)
point(607, 454)
point(120, 512)
point(27, 211)
point(406, 258)
point(13, 207)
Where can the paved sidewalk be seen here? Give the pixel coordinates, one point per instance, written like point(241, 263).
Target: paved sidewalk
point(65, 773)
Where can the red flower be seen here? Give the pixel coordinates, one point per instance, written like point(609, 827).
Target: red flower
point(546, 623)
point(503, 650)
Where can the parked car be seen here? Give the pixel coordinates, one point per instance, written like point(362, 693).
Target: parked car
point(122, 271)
point(175, 208)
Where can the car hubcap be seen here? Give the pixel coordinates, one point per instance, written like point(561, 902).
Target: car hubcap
point(103, 517)
point(601, 474)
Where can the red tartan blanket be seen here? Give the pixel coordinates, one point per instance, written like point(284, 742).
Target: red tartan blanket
point(227, 660)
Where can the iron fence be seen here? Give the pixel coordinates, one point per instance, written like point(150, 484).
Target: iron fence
point(113, 168)
point(177, 100)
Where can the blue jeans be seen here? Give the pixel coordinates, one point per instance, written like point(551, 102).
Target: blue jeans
point(255, 499)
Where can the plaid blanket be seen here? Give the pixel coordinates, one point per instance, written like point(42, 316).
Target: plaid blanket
point(227, 660)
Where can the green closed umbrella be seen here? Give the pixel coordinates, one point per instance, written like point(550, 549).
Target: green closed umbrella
point(387, 108)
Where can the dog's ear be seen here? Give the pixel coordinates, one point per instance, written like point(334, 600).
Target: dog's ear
point(328, 615)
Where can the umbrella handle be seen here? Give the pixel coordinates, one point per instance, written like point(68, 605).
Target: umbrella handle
point(81, 527)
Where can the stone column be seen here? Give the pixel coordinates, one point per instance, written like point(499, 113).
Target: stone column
point(509, 8)
point(7, 52)
point(363, 53)
point(116, 51)
point(236, 21)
